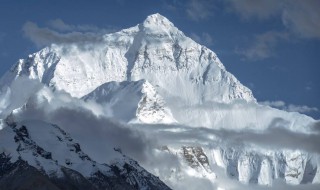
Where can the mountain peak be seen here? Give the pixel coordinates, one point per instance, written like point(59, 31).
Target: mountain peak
point(154, 50)
point(157, 20)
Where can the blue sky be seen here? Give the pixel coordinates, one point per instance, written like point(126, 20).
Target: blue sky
point(273, 46)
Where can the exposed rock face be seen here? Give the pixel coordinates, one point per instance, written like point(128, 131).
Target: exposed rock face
point(196, 157)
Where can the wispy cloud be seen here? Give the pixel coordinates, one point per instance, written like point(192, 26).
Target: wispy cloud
point(276, 136)
point(259, 9)
point(99, 135)
point(262, 46)
point(301, 108)
point(290, 107)
point(83, 120)
point(58, 31)
point(199, 9)
point(303, 17)
point(204, 38)
point(300, 17)
point(195, 10)
point(60, 25)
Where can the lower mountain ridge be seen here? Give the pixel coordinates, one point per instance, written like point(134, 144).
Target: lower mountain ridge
point(39, 155)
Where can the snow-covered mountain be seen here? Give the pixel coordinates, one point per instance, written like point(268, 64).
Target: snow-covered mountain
point(193, 83)
point(154, 50)
point(150, 74)
point(56, 161)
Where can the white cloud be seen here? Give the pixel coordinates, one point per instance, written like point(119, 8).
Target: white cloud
point(262, 46)
point(204, 38)
point(276, 136)
point(290, 107)
point(195, 10)
point(98, 134)
point(60, 32)
point(301, 108)
point(300, 17)
point(15, 95)
point(303, 17)
point(260, 9)
point(276, 104)
point(199, 9)
point(169, 6)
point(85, 121)
point(60, 25)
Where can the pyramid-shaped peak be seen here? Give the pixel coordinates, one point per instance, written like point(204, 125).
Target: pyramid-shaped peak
point(157, 20)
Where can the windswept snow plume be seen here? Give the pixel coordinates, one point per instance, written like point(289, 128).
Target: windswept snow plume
point(66, 34)
point(291, 107)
